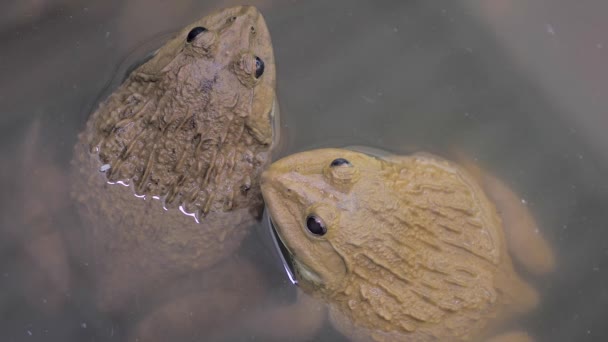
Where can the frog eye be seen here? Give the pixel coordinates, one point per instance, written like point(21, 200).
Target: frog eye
point(315, 225)
point(195, 32)
point(340, 162)
point(259, 67)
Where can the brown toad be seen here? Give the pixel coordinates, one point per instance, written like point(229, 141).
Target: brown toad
point(404, 248)
point(167, 169)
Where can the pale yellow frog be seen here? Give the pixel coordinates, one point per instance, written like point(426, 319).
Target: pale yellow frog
point(166, 171)
point(405, 248)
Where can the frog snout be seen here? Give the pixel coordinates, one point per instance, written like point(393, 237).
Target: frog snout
point(251, 11)
point(280, 187)
point(271, 179)
point(265, 178)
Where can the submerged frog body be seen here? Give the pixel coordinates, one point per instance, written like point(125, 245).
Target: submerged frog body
point(167, 169)
point(402, 248)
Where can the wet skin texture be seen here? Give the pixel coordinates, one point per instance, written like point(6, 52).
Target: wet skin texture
point(405, 248)
point(190, 130)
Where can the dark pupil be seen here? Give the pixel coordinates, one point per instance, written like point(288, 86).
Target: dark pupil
point(339, 162)
point(315, 225)
point(259, 67)
point(195, 32)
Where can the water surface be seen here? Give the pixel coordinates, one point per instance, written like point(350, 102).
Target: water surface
point(519, 88)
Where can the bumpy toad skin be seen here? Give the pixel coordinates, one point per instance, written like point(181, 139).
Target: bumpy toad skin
point(189, 131)
point(413, 250)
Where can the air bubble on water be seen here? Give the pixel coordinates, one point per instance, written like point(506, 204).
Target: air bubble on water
point(104, 167)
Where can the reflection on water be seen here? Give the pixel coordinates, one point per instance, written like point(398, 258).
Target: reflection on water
point(397, 75)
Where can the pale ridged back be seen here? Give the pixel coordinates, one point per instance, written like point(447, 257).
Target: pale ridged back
point(427, 267)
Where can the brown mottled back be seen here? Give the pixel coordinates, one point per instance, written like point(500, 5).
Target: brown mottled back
point(193, 125)
point(183, 140)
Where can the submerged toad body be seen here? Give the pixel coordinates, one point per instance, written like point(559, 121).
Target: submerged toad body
point(167, 169)
point(404, 247)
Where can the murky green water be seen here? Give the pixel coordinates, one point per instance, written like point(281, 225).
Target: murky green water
point(520, 89)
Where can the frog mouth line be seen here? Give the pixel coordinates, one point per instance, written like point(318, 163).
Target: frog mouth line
point(285, 255)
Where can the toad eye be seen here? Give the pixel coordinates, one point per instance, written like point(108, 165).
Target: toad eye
point(259, 67)
point(340, 162)
point(315, 225)
point(195, 32)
